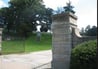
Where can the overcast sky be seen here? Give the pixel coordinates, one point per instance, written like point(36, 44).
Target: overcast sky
point(86, 10)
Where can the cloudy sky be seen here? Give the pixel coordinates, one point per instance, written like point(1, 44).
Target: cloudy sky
point(86, 10)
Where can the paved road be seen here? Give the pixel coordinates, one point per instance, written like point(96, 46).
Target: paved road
point(26, 61)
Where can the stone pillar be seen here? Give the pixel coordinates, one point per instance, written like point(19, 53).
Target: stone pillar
point(0, 41)
point(62, 40)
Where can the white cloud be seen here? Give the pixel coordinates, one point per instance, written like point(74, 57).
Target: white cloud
point(2, 4)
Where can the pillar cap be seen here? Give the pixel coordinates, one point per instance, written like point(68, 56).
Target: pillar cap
point(64, 16)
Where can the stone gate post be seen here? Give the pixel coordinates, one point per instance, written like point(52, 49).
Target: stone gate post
point(1, 40)
point(62, 40)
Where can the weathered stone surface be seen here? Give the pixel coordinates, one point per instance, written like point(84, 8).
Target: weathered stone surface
point(61, 41)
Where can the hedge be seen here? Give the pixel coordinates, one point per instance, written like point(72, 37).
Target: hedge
point(84, 56)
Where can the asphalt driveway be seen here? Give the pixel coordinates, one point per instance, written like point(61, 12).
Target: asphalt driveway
point(35, 60)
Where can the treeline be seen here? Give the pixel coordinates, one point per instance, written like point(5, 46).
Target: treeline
point(89, 31)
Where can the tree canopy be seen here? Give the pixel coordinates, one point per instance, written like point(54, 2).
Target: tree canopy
point(23, 16)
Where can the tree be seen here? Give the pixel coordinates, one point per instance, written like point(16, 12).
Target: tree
point(8, 17)
point(82, 32)
point(59, 10)
point(89, 31)
point(69, 8)
point(1, 22)
point(25, 13)
point(87, 28)
point(22, 16)
point(46, 20)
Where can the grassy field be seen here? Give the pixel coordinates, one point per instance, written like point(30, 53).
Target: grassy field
point(28, 45)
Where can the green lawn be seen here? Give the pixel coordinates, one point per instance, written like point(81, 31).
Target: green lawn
point(28, 45)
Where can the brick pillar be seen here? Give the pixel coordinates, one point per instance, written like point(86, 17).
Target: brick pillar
point(0, 41)
point(61, 40)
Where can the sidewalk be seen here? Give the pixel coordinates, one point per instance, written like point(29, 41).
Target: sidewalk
point(35, 60)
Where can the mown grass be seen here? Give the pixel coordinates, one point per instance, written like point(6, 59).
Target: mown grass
point(30, 44)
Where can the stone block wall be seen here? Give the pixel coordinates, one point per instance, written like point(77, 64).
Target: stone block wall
point(77, 38)
point(61, 43)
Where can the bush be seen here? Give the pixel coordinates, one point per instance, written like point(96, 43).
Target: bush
point(84, 56)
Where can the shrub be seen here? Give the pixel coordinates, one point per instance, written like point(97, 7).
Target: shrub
point(84, 56)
